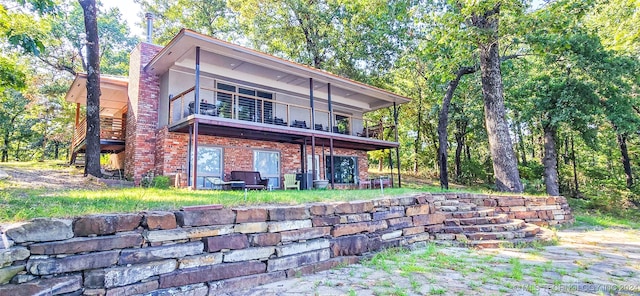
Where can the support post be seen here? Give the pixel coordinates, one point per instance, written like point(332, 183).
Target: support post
point(77, 114)
point(313, 137)
point(195, 154)
point(190, 153)
point(391, 167)
point(331, 178)
point(196, 95)
point(303, 160)
point(395, 127)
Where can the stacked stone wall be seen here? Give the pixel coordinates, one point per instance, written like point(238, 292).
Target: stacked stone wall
point(209, 250)
point(539, 210)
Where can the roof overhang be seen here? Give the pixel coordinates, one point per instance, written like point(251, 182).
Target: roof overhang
point(183, 45)
point(113, 92)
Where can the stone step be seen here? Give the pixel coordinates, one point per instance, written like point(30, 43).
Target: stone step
point(512, 225)
point(528, 230)
point(480, 212)
point(497, 219)
point(543, 236)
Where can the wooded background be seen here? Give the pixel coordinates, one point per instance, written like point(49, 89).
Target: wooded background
point(566, 72)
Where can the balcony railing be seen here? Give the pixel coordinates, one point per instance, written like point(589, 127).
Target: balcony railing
point(225, 104)
point(111, 128)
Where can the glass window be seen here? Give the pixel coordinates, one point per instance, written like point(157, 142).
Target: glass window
point(345, 169)
point(209, 165)
point(268, 164)
point(224, 100)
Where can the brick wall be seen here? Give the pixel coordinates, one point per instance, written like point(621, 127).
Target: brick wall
point(171, 154)
point(142, 114)
point(211, 249)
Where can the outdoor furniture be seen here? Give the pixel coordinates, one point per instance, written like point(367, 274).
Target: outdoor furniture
point(252, 180)
point(290, 182)
point(279, 121)
point(204, 108)
point(217, 183)
point(299, 124)
point(385, 181)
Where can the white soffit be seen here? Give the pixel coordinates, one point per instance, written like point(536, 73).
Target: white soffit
point(113, 92)
point(182, 48)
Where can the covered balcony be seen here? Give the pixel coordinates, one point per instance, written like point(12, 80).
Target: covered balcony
point(113, 109)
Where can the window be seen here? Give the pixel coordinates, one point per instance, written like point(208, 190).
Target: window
point(345, 169)
point(209, 165)
point(268, 164)
point(225, 100)
point(342, 125)
point(248, 107)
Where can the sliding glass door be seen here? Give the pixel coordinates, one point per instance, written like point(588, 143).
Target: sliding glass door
point(268, 164)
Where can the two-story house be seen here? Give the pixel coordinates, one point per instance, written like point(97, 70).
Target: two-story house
point(235, 108)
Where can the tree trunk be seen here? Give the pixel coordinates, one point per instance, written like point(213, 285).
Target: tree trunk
point(92, 156)
point(523, 152)
point(5, 147)
point(56, 150)
point(505, 164)
point(550, 161)
point(418, 143)
point(575, 169)
point(626, 162)
point(459, 147)
point(443, 121)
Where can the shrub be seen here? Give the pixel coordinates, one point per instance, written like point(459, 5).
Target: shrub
point(161, 182)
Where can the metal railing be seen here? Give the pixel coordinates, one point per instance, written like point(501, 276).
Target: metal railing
point(225, 104)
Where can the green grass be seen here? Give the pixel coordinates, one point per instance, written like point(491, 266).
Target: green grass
point(22, 204)
point(618, 217)
point(17, 204)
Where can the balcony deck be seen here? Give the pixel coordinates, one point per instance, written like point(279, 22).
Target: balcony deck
point(251, 117)
point(112, 135)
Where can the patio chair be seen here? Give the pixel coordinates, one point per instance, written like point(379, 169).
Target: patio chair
point(290, 182)
point(216, 183)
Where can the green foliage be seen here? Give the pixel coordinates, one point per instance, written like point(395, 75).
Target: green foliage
point(161, 182)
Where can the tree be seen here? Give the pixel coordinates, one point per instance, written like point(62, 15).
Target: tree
point(212, 18)
point(505, 163)
point(64, 45)
point(573, 83)
point(18, 26)
point(356, 39)
point(92, 162)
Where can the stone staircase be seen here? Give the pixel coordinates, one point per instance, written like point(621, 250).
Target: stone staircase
point(468, 224)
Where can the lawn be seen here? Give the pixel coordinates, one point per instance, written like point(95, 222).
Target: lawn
point(19, 204)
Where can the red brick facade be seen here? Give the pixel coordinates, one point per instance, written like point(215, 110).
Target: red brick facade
point(171, 154)
point(142, 117)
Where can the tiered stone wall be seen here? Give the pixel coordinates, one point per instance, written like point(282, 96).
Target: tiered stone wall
point(209, 250)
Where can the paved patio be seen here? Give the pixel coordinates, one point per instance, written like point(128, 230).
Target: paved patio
point(587, 261)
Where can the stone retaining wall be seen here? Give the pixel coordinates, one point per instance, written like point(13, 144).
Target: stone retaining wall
point(209, 250)
point(539, 210)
